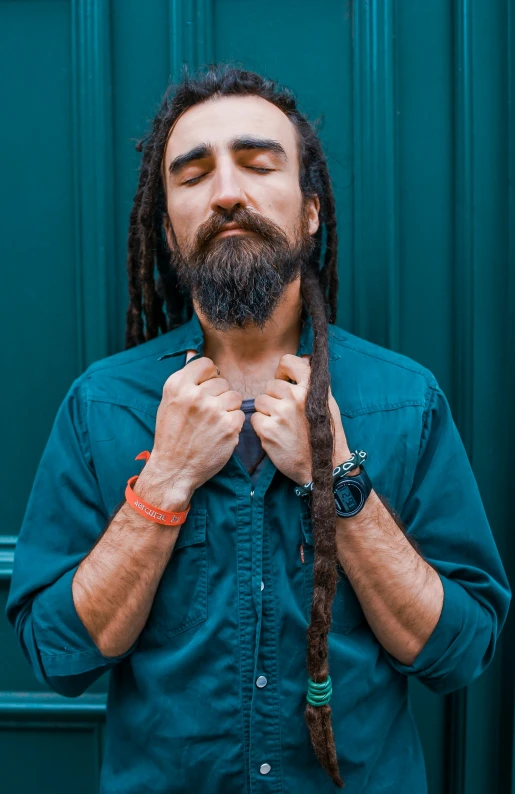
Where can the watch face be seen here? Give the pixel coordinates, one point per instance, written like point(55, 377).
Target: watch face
point(349, 497)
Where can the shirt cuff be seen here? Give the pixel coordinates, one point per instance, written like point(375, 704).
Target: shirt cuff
point(65, 646)
point(439, 662)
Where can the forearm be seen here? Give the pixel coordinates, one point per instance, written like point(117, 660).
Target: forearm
point(401, 595)
point(115, 585)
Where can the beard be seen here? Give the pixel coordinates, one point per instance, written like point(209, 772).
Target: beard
point(238, 281)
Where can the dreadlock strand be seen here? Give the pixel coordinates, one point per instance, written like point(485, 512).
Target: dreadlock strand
point(331, 253)
point(152, 303)
point(323, 514)
point(134, 322)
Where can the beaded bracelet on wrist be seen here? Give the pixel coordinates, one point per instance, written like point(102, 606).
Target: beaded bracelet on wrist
point(358, 458)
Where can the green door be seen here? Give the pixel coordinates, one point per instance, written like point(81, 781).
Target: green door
point(416, 103)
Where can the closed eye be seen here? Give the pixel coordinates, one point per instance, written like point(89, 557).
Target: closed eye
point(259, 169)
point(193, 180)
point(256, 168)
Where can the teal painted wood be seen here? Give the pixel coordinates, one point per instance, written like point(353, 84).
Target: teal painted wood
point(191, 34)
point(416, 103)
point(376, 281)
point(7, 546)
point(47, 707)
point(507, 726)
point(464, 314)
point(483, 359)
point(93, 176)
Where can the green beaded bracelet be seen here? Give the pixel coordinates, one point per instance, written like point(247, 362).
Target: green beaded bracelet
point(319, 694)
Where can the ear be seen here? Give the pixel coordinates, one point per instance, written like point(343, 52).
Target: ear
point(313, 210)
point(168, 231)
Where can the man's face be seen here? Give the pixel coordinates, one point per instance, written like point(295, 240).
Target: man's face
point(239, 227)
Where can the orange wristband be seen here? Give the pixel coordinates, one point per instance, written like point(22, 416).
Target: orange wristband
point(150, 512)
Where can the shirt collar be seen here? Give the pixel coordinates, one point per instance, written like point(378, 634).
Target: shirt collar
point(190, 336)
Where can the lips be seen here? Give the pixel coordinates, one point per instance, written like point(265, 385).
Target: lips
point(230, 230)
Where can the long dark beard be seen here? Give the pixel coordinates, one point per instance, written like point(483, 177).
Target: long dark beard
point(239, 280)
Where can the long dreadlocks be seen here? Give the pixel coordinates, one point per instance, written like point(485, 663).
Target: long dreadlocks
point(157, 304)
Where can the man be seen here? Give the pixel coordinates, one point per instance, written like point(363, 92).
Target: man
point(196, 589)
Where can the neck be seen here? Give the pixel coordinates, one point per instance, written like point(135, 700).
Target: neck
point(253, 346)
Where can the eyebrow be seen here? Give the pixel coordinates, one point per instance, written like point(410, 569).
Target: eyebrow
point(247, 143)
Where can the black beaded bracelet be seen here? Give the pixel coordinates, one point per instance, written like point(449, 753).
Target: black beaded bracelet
point(357, 460)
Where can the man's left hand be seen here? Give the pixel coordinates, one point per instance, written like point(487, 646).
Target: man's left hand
point(281, 424)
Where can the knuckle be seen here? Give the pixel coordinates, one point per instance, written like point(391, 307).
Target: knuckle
point(170, 384)
point(299, 396)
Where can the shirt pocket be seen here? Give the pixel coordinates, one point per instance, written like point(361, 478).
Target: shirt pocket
point(346, 612)
point(180, 602)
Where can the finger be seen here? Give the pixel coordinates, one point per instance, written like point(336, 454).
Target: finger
point(294, 368)
point(200, 370)
point(279, 389)
point(230, 400)
point(214, 386)
point(190, 354)
point(265, 404)
point(256, 420)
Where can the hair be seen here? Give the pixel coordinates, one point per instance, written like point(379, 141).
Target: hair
point(156, 303)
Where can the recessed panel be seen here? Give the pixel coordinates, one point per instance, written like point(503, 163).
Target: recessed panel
point(38, 302)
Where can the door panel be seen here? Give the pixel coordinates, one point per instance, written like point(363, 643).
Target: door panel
point(412, 102)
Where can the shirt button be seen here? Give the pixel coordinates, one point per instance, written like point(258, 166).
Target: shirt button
point(265, 769)
point(262, 585)
point(261, 681)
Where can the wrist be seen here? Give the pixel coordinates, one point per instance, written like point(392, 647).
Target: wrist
point(340, 456)
point(163, 490)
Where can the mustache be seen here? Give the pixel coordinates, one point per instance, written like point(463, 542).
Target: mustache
point(249, 221)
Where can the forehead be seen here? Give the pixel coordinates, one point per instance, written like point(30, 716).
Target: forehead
point(217, 121)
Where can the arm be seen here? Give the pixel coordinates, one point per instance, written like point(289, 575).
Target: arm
point(81, 593)
point(437, 612)
point(401, 595)
point(114, 586)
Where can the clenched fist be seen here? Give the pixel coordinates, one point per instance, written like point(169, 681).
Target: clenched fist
point(198, 424)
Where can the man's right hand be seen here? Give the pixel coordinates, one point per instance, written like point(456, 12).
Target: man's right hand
point(198, 424)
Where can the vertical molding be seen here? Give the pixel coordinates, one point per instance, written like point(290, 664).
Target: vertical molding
point(463, 313)
point(464, 249)
point(93, 176)
point(191, 35)
point(375, 237)
point(507, 760)
point(509, 666)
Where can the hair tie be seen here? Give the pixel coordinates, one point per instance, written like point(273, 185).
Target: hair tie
point(319, 694)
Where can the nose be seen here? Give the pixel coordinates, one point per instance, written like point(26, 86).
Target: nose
point(228, 193)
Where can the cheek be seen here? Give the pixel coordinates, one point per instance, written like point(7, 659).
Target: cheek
point(184, 220)
point(284, 209)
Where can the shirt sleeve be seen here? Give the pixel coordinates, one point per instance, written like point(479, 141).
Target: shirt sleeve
point(444, 513)
point(64, 518)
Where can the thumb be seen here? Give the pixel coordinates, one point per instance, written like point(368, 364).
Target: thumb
point(190, 354)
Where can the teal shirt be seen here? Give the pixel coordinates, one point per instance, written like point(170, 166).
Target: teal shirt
point(214, 687)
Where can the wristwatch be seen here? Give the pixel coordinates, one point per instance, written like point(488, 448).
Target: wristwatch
point(351, 493)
